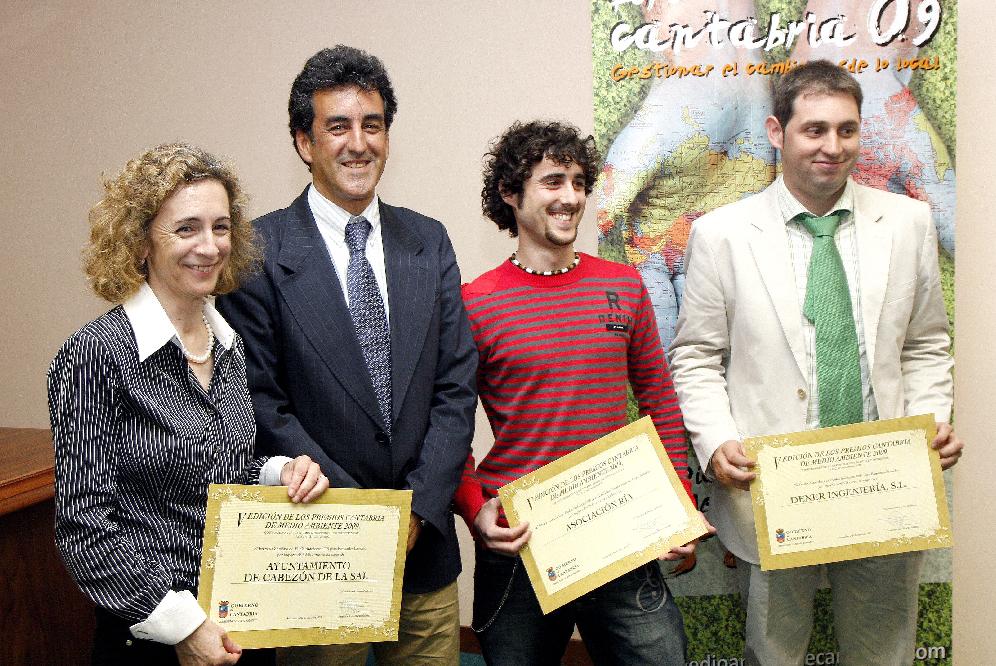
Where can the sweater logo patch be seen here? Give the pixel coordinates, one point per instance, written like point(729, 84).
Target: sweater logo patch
point(615, 322)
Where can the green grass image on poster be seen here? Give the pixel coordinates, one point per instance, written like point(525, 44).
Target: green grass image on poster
point(715, 627)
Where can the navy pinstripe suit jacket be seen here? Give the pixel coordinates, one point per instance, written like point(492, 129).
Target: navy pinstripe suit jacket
point(312, 393)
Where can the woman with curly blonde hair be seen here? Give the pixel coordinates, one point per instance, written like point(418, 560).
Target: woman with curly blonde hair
point(149, 404)
point(114, 259)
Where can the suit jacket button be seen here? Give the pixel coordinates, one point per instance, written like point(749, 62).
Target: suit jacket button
point(381, 438)
point(801, 393)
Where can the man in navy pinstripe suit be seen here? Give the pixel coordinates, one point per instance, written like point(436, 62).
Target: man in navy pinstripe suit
point(387, 401)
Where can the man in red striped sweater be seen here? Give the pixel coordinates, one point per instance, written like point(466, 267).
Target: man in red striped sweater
point(559, 334)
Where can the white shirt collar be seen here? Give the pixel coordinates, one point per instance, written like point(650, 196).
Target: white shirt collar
point(152, 326)
point(791, 207)
point(336, 217)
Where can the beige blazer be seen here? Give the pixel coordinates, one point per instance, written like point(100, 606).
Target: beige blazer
point(738, 358)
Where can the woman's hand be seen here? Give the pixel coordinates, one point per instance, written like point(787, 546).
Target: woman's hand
point(209, 645)
point(304, 479)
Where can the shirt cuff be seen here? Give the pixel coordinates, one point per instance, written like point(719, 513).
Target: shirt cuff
point(177, 616)
point(269, 474)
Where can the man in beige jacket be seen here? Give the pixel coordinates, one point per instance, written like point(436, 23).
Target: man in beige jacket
point(748, 360)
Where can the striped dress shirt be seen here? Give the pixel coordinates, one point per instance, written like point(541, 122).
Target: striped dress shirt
point(137, 441)
point(331, 221)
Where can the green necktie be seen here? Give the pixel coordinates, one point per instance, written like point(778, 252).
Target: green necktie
point(828, 306)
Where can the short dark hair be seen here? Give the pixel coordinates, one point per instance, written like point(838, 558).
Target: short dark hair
point(816, 76)
point(334, 68)
point(510, 161)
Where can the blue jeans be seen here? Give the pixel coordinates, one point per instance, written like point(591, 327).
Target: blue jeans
point(630, 621)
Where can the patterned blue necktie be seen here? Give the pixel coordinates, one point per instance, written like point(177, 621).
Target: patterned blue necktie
point(367, 311)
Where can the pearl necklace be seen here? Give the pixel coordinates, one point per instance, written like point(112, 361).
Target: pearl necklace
point(199, 359)
point(560, 271)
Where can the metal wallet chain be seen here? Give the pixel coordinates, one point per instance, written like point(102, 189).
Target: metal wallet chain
point(501, 604)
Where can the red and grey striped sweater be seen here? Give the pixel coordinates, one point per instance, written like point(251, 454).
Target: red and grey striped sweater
point(555, 355)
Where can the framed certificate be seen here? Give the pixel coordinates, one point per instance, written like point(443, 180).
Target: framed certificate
point(600, 512)
point(848, 492)
point(276, 574)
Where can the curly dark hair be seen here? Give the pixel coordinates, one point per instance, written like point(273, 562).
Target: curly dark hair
point(510, 161)
point(815, 76)
point(334, 68)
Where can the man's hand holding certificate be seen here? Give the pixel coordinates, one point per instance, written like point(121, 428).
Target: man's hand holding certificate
point(599, 513)
point(848, 492)
point(276, 574)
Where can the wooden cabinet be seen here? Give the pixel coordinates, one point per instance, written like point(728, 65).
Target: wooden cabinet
point(44, 618)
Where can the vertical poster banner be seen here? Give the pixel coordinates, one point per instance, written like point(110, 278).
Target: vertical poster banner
point(682, 88)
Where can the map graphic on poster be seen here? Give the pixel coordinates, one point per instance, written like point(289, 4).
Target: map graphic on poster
point(682, 89)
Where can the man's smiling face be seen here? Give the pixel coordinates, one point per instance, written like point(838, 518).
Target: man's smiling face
point(348, 146)
point(819, 146)
point(550, 207)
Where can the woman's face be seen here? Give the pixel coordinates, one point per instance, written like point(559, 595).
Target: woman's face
point(189, 241)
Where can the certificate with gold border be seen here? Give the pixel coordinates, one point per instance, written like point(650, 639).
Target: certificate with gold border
point(848, 492)
point(600, 512)
point(277, 574)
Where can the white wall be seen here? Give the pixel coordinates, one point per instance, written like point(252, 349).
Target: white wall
point(975, 312)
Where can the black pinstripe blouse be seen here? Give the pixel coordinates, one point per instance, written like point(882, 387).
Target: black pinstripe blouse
point(136, 445)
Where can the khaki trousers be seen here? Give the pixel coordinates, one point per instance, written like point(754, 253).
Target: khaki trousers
point(428, 633)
